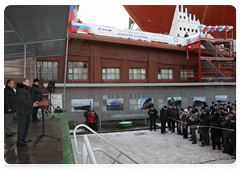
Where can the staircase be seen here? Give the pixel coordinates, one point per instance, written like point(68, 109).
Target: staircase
point(215, 58)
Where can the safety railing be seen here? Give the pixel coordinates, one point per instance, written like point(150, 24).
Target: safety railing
point(91, 155)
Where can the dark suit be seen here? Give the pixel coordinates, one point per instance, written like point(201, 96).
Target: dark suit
point(36, 96)
point(163, 119)
point(24, 109)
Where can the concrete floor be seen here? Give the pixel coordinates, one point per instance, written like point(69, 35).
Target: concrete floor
point(46, 151)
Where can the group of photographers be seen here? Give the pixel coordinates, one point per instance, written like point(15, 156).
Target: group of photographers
point(91, 119)
point(219, 120)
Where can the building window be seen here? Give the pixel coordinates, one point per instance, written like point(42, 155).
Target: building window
point(183, 74)
point(137, 74)
point(111, 73)
point(47, 70)
point(77, 70)
point(165, 74)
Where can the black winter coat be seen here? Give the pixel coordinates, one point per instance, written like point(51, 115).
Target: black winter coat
point(169, 113)
point(175, 114)
point(152, 114)
point(163, 115)
point(205, 120)
point(36, 93)
point(96, 119)
point(215, 120)
point(24, 100)
point(234, 138)
point(226, 124)
point(9, 100)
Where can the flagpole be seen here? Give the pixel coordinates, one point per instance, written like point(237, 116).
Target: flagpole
point(65, 74)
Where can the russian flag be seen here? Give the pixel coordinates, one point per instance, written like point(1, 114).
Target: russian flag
point(70, 18)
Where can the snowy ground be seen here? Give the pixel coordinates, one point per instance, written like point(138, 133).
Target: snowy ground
point(151, 147)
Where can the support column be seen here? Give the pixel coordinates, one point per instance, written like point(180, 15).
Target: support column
point(65, 74)
point(25, 61)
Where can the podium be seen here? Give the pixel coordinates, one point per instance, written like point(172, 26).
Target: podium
point(43, 103)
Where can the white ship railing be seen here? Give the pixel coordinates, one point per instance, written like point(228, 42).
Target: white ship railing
point(88, 155)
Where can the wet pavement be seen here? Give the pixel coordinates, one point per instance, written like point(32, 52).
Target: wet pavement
point(46, 151)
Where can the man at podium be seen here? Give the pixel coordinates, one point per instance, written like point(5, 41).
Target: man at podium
point(36, 96)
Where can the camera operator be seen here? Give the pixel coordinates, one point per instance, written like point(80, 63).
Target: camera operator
point(152, 117)
point(204, 130)
point(215, 121)
point(86, 118)
point(96, 119)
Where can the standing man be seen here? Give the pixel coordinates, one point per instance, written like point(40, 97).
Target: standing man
point(24, 109)
point(36, 96)
point(193, 123)
point(169, 113)
point(175, 118)
point(9, 107)
point(152, 117)
point(163, 119)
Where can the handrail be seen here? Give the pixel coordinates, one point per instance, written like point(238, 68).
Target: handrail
point(89, 151)
point(75, 140)
point(110, 156)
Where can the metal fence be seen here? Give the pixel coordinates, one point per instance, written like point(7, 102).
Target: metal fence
point(130, 98)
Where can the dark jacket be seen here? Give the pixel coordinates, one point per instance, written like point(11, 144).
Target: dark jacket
point(169, 113)
point(163, 115)
point(24, 100)
point(9, 100)
point(96, 119)
point(36, 93)
point(226, 124)
point(152, 114)
point(204, 120)
point(234, 139)
point(215, 120)
point(175, 114)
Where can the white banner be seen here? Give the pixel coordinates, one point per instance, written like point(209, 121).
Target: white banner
point(125, 33)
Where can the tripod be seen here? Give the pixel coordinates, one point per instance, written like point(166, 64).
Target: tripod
point(41, 136)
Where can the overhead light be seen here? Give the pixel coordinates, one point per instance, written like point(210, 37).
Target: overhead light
point(149, 20)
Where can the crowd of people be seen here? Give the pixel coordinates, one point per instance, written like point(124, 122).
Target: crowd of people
point(219, 120)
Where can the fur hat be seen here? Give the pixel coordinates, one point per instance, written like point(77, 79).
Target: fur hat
point(36, 80)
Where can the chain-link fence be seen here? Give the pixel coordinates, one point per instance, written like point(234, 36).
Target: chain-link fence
point(100, 99)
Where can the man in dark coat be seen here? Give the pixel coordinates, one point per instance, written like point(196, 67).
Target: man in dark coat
point(36, 96)
point(214, 121)
point(152, 117)
point(24, 109)
point(9, 107)
point(175, 116)
point(96, 119)
point(163, 119)
point(226, 123)
point(169, 113)
point(204, 116)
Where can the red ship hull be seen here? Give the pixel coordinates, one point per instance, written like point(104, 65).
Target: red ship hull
point(158, 18)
